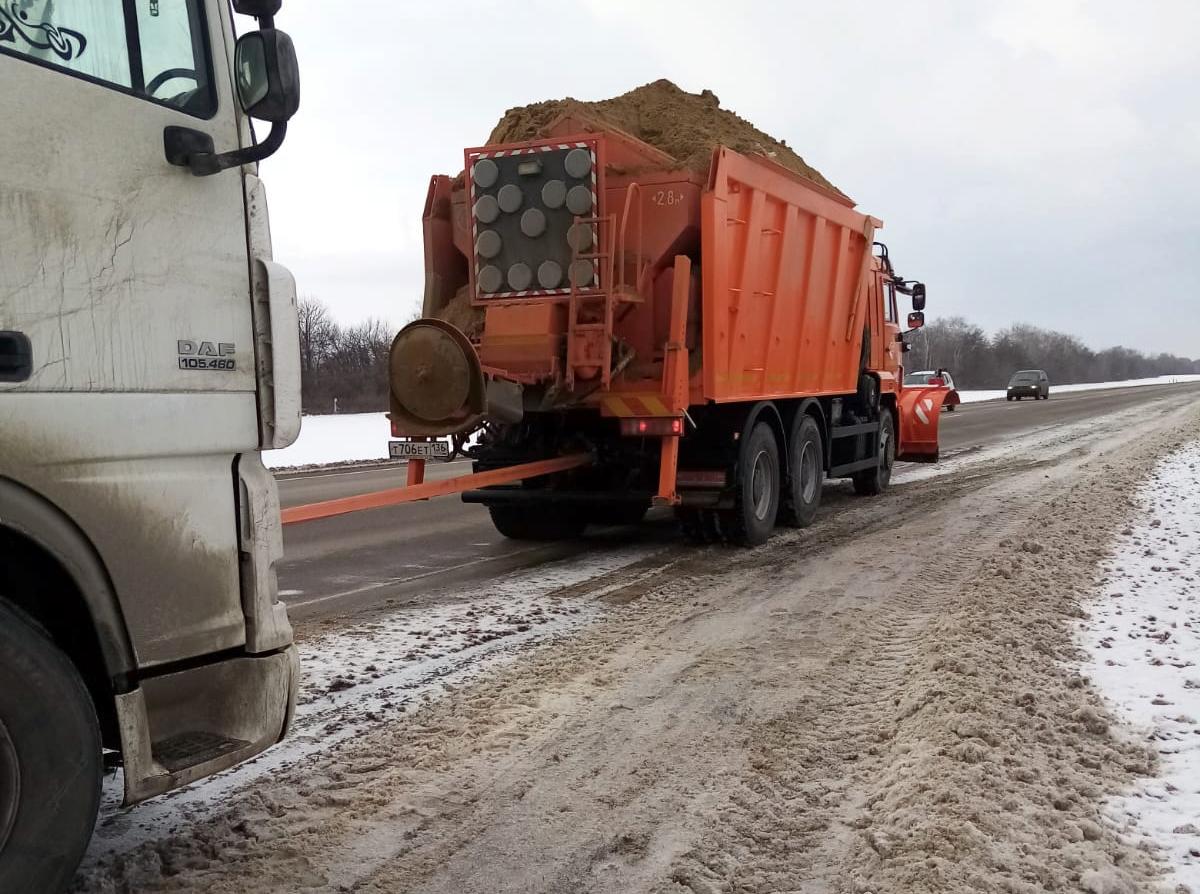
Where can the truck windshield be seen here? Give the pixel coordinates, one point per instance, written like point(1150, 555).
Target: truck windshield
point(918, 378)
point(154, 50)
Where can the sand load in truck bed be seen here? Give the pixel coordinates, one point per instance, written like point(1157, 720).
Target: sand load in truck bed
point(686, 126)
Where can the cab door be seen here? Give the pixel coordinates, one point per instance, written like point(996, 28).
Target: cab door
point(127, 279)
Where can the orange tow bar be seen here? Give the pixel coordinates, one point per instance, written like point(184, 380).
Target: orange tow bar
point(430, 489)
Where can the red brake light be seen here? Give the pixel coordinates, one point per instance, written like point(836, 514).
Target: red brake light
point(657, 426)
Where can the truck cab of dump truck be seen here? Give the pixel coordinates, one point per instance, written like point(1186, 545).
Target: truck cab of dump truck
point(148, 353)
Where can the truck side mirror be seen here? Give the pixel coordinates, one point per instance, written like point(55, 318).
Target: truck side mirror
point(918, 296)
point(268, 75)
point(916, 319)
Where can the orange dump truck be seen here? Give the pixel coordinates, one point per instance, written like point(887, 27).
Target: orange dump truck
point(638, 333)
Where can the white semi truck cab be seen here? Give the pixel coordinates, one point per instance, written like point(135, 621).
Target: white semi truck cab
point(148, 354)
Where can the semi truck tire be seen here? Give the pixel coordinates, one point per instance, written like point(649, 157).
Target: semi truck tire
point(50, 760)
point(875, 481)
point(537, 521)
point(756, 501)
point(806, 468)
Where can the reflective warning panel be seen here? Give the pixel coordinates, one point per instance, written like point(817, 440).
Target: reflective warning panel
point(525, 204)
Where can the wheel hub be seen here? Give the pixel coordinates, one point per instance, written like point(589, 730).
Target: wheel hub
point(808, 472)
point(761, 484)
point(10, 784)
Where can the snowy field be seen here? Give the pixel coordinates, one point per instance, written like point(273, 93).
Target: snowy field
point(324, 440)
point(1143, 636)
point(362, 437)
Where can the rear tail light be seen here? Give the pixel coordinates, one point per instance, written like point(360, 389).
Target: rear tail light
point(660, 427)
point(395, 429)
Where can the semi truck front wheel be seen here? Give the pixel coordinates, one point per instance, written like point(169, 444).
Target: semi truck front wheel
point(50, 760)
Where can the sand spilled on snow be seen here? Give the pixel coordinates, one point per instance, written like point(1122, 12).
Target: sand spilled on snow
point(883, 702)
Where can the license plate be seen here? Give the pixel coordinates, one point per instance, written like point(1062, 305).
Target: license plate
point(418, 450)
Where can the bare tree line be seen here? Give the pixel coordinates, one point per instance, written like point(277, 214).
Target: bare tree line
point(345, 369)
point(979, 361)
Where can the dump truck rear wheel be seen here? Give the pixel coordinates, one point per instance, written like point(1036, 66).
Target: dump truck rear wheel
point(806, 474)
point(756, 503)
point(875, 481)
point(537, 521)
point(50, 760)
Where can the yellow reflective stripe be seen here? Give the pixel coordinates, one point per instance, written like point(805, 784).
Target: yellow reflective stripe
point(618, 407)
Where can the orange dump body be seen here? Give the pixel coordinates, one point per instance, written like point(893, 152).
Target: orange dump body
point(784, 297)
point(784, 281)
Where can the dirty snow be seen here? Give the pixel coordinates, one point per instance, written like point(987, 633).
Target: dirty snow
point(1143, 638)
point(363, 437)
point(843, 709)
point(378, 670)
point(1037, 447)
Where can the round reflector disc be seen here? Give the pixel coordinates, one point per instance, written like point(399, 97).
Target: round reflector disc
point(554, 193)
point(490, 279)
point(579, 237)
point(549, 274)
point(484, 173)
point(519, 277)
point(487, 244)
point(578, 163)
point(579, 200)
point(509, 198)
point(582, 272)
point(533, 223)
point(487, 209)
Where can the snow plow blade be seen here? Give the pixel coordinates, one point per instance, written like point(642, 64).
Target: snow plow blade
point(920, 411)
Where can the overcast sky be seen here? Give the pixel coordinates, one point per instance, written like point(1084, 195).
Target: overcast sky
point(1033, 160)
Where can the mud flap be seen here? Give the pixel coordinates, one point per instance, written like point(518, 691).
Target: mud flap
point(920, 412)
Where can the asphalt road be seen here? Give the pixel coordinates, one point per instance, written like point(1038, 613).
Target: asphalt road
point(366, 559)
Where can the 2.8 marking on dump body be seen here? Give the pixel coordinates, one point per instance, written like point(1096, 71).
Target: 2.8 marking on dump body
point(207, 355)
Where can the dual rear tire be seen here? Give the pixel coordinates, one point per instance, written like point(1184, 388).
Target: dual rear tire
point(757, 495)
point(763, 496)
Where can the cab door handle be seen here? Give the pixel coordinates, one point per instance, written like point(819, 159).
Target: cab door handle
point(16, 357)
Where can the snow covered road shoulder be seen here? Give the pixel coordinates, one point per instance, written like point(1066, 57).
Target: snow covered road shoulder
point(971, 397)
point(363, 437)
point(1143, 639)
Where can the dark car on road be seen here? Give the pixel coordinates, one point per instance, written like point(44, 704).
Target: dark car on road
point(1029, 383)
